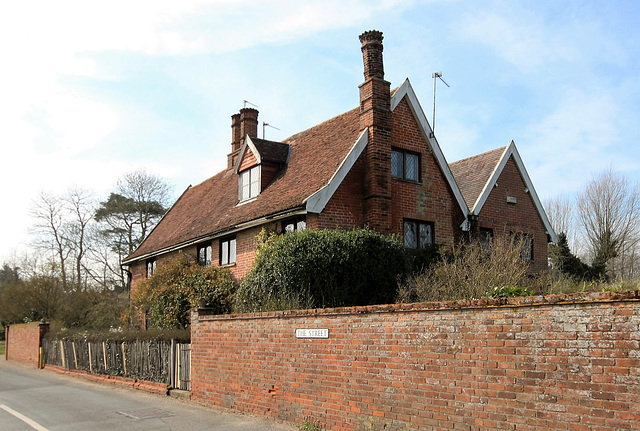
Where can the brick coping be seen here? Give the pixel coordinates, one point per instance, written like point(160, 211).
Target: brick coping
point(152, 387)
point(524, 301)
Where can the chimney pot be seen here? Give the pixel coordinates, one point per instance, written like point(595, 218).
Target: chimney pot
point(372, 54)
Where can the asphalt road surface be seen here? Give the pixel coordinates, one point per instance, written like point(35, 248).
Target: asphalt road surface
point(43, 400)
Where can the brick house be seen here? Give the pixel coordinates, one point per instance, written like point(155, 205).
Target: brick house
point(378, 165)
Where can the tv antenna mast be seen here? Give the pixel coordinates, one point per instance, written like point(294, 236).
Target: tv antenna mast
point(267, 125)
point(246, 102)
point(435, 77)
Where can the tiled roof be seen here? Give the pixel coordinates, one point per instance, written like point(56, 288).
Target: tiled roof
point(472, 174)
point(211, 206)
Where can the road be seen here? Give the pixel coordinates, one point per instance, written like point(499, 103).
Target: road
point(43, 400)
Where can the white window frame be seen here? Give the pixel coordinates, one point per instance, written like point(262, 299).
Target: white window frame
point(228, 251)
point(249, 183)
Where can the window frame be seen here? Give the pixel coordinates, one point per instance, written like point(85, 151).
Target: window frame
point(228, 245)
point(253, 186)
point(208, 254)
point(404, 153)
point(525, 240)
point(485, 237)
point(296, 223)
point(150, 267)
point(418, 244)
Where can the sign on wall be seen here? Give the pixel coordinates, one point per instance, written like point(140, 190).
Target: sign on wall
point(312, 333)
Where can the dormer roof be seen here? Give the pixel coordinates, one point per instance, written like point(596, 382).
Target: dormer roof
point(264, 151)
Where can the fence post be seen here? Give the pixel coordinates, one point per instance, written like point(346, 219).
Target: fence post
point(124, 360)
point(172, 366)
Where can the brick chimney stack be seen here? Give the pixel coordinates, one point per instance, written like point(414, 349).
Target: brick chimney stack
point(375, 113)
point(242, 124)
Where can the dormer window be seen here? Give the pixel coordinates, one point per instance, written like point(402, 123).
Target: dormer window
point(249, 183)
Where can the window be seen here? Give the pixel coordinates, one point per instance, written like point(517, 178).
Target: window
point(485, 236)
point(525, 243)
point(151, 267)
point(228, 251)
point(294, 225)
point(418, 234)
point(405, 165)
point(204, 255)
point(249, 183)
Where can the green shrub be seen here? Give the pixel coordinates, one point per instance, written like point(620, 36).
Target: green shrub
point(323, 268)
point(179, 285)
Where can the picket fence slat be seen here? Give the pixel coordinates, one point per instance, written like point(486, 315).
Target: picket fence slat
point(139, 359)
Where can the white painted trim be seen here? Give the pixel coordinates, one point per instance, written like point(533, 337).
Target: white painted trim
point(407, 90)
point(509, 151)
point(318, 200)
point(247, 143)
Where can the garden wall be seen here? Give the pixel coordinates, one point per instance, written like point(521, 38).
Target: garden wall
point(555, 362)
point(23, 342)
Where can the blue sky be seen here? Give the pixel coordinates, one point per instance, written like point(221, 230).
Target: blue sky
point(91, 90)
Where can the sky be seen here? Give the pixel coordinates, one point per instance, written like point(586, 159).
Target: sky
point(92, 90)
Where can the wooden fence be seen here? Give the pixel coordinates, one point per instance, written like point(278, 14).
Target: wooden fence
point(154, 361)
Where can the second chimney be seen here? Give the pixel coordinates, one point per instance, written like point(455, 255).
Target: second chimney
point(242, 124)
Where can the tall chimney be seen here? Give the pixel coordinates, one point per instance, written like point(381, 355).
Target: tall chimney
point(242, 124)
point(375, 113)
point(248, 122)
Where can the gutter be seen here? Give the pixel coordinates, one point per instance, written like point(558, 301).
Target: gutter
point(220, 233)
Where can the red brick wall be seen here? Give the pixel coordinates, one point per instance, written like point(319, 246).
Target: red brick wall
point(432, 199)
point(559, 363)
point(23, 342)
point(345, 209)
point(522, 216)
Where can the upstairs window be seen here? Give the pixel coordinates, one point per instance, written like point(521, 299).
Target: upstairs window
point(294, 225)
point(418, 234)
point(405, 165)
point(204, 255)
point(228, 251)
point(249, 183)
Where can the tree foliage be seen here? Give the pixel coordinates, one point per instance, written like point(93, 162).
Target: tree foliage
point(323, 268)
point(564, 261)
point(179, 285)
point(128, 215)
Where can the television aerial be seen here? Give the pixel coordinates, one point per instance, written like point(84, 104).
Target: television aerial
point(436, 76)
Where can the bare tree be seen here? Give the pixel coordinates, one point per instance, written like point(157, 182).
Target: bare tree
point(49, 230)
point(561, 213)
point(608, 210)
point(80, 208)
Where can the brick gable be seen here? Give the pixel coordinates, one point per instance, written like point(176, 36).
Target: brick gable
point(431, 199)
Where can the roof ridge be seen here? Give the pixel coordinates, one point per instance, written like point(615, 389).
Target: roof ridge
point(501, 149)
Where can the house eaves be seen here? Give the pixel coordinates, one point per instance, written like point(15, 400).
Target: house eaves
point(223, 232)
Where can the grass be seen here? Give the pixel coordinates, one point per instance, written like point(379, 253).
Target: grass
point(1, 348)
